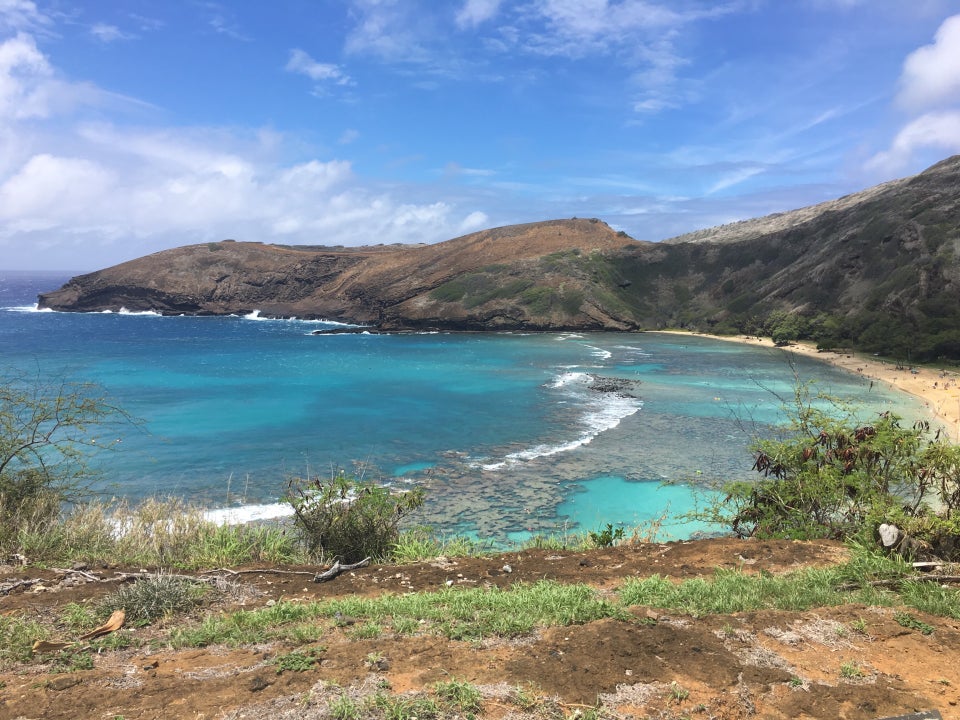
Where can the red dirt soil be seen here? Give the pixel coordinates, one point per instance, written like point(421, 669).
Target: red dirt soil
point(842, 662)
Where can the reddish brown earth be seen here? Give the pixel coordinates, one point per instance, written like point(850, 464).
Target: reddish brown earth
point(769, 664)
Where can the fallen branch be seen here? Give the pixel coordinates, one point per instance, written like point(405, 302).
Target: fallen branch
point(84, 573)
point(262, 571)
point(338, 568)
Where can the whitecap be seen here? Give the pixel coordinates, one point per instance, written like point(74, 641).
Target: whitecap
point(150, 313)
point(600, 352)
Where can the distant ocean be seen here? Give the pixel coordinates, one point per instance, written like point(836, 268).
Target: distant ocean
point(503, 429)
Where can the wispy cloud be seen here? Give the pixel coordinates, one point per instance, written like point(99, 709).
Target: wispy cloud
point(22, 15)
point(300, 62)
point(223, 22)
point(477, 12)
point(390, 30)
point(109, 33)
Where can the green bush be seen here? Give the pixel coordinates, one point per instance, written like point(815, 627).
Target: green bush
point(349, 519)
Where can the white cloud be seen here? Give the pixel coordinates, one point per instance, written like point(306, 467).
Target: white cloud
point(476, 12)
point(734, 178)
point(939, 130)
point(476, 220)
point(931, 74)
point(49, 191)
point(300, 62)
point(108, 33)
point(22, 15)
point(350, 135)
point(390, 30)
point(24, 77)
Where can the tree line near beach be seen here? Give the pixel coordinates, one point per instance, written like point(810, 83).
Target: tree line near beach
point(828, 474)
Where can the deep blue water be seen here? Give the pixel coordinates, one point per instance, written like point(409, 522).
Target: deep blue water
point(501, 427)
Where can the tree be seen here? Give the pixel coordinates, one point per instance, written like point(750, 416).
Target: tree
point(46, 438)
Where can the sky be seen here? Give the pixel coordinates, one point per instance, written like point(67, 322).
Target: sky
point(131, 126)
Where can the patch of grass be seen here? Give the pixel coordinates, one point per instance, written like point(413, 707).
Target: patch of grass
point(909, 621)
point(468, 614)
point(731, 591)
point(678, 693)
point(148, 600)
point(17, 636)
point(851, 670)
point(366, 631)
point(418, 544)
point(79, 618)
point(525, 698)
point(276, 622)
point(345, 708)
point(460, 696)
point(859, 626)
point(404, 625)
point(70, 660)
point(299, 660)
point(404, 708)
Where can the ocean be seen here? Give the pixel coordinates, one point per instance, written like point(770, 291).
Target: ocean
point(503, 429)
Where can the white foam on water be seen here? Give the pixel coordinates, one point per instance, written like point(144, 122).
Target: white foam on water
point(248, 513)
point(599, 352)
point(603, 412)
point(149, 313)
point(29, 309)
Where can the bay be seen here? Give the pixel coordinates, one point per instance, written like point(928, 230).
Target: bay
point(503, 429)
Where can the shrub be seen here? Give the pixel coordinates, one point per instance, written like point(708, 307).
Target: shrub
point(46, 436)
point(349, 519)
point(155, 597)
point(606, 537)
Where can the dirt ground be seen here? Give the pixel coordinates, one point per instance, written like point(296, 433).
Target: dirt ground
point(769, 664)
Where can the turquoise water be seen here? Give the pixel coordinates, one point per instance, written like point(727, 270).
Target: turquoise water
point(503, 429)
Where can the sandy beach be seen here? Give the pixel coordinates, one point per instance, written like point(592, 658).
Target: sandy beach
point(938, 389)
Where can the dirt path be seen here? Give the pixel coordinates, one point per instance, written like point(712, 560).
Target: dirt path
point(845, 662)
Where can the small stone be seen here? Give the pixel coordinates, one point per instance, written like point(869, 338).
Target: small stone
point(63, 683)
point(507, 569)
point(271, 603)
point(889, 534)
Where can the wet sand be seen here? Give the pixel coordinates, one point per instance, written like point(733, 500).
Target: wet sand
point(939, 390)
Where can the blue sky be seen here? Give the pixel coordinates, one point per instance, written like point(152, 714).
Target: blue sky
point(129, 126)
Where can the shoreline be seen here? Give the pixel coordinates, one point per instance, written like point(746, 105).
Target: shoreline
point(939, 390)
